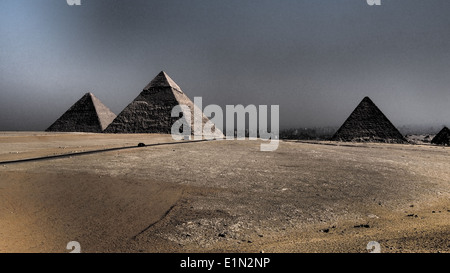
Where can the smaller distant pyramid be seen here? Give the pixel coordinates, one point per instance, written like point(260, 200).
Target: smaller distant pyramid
point(88, 114)
point(368, 124)
point(442, 138)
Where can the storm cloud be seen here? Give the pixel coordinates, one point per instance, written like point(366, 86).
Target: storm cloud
point(316, 59)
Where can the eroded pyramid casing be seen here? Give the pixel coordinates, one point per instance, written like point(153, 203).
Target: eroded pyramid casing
point(151, 111)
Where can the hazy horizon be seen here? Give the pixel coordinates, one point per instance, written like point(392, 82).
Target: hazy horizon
point(316, 59)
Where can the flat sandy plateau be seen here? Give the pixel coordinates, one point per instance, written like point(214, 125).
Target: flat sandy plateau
point(220, 196)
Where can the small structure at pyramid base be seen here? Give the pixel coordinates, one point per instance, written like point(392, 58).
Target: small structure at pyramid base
point(442, 138)
point(368, 124)
point(88, 114)
point(151, 110)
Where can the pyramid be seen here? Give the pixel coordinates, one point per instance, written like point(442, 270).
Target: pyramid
point(368, 124)
point(442, 138)
point(150, 112)
point(88, 114)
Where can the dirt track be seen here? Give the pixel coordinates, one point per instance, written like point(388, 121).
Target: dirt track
point(221, 196)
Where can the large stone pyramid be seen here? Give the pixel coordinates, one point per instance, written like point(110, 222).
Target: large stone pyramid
point(368, 124)
point(88, 114)
point(442, 138)
point(151, 111)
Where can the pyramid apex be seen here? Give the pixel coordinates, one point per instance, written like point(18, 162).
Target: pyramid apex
point(442, 138)
point(445, 129)
point(162, 80)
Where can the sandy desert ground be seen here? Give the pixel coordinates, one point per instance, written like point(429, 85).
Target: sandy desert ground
point(220, 196)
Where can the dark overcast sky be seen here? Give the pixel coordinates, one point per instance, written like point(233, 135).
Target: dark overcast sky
point(316, 59)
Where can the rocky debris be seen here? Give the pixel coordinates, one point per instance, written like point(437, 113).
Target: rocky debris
point(362, 226)
point(205, 232)
point(327, 230)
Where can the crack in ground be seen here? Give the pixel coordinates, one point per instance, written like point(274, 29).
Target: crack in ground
point(153, 224)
